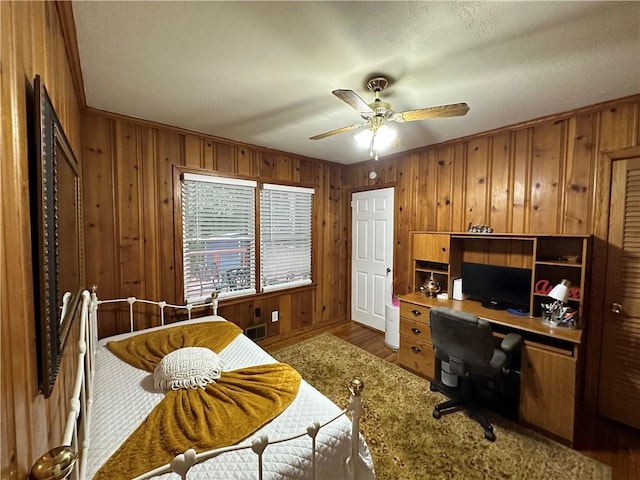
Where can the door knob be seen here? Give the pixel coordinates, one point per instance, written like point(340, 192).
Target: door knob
point(616, 308)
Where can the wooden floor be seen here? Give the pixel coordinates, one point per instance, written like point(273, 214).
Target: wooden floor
point(604, 440)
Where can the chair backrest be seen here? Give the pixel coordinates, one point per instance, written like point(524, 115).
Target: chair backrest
point(463, 340)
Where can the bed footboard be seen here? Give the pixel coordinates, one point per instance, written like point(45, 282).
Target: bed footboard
point(183, 462)
point(68, 460)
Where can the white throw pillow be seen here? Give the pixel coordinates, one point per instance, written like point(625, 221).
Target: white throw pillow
point(189, 367)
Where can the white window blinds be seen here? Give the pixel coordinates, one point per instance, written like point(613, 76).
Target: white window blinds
point(285, 236)
point(218, 236)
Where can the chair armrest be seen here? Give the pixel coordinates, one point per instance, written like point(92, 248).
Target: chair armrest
point(510, 342)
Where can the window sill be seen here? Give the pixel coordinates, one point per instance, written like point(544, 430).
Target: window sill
point(223, 302)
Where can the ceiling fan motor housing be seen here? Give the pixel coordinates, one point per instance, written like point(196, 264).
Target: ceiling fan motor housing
point(380, 108)
point(377, 84)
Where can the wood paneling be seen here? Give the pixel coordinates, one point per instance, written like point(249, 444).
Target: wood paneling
point(546, 177)
point(501, 194)
point(579, 173)
point(549, 175)
point(445, 178)
point(32, 43)
point(521, 145)
point(618, 127)
point(478, 184)
point(132, 216)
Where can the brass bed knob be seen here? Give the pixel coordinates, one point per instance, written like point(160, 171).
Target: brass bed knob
point(56, 464)
point(356, 385)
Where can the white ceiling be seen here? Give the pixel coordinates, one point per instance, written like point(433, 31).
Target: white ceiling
point(262, 72)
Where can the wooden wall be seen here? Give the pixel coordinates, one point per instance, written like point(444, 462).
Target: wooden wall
point(32, 43)
point(539, 177)
point(130, 218)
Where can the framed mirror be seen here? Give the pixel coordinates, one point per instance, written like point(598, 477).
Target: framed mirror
point(58, 238)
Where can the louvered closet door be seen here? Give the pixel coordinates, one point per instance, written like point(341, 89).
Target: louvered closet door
point(620, 368)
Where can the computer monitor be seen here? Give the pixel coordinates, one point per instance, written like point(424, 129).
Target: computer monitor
point(497, 287)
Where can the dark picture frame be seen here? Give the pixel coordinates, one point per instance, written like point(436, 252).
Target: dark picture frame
point(58, 238)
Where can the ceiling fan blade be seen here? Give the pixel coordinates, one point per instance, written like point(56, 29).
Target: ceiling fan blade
point(335, 132)
point(452, 110)
point(352, 99)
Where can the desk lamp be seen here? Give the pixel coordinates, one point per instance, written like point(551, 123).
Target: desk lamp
point(560, 293)
point(554, 312)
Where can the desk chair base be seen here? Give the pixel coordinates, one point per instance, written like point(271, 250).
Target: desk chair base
point(452, 405)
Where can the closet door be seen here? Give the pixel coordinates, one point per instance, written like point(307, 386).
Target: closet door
point(619, 393)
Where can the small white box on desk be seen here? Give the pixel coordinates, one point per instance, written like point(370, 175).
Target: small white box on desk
point(457, 290)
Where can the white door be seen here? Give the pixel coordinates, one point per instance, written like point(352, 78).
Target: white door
point(371, 255)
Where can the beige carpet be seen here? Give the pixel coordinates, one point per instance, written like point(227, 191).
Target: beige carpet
point(408, 443)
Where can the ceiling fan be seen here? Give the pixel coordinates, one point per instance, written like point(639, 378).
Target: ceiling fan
point(378, 112)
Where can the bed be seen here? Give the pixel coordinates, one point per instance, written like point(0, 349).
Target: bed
point(307, 437)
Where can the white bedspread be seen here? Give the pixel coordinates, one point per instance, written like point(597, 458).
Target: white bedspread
point(123, 396)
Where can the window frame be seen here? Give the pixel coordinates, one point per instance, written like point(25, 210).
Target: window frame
point(246, 240)
point(292, 189)
point(179, 172)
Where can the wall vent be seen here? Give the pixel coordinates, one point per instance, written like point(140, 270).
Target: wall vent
point(256, 332)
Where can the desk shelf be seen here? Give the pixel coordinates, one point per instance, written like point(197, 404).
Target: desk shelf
point(560, 264)
point(551, 259)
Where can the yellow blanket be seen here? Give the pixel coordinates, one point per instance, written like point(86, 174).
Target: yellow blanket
point(223, 413)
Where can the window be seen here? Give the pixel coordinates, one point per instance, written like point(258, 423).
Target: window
point(285, 236)
point(219, 236)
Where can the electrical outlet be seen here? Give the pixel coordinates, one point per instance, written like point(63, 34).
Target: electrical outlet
point(274, 316)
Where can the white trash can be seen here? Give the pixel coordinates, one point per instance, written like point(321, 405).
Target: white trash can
point(392, 326)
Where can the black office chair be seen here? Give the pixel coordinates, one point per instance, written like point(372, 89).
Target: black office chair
point(466, 343)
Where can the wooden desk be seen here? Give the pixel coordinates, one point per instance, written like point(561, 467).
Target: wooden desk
point(549, 362)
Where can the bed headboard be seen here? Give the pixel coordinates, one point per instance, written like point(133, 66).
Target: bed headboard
point(60, 461)
point(212, 302)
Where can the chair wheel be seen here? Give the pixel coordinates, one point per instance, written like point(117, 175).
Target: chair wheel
point(436, 414)
point(489, 435)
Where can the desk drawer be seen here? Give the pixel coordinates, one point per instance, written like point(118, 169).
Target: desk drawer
point(415, 312)
point(416, 331)
point(417, 356)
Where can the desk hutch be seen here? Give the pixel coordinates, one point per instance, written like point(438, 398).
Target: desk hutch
point(551, 356)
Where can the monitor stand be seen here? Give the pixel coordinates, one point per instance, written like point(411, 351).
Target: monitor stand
point(493, 304)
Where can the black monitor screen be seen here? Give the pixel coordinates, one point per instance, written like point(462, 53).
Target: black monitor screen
point(497, 287)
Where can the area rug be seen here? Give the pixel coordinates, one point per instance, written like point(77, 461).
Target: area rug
point(406, 442)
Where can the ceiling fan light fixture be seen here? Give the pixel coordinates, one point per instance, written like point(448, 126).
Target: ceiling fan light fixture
point(363, 138)
point(383, 137)
point(375, 139)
